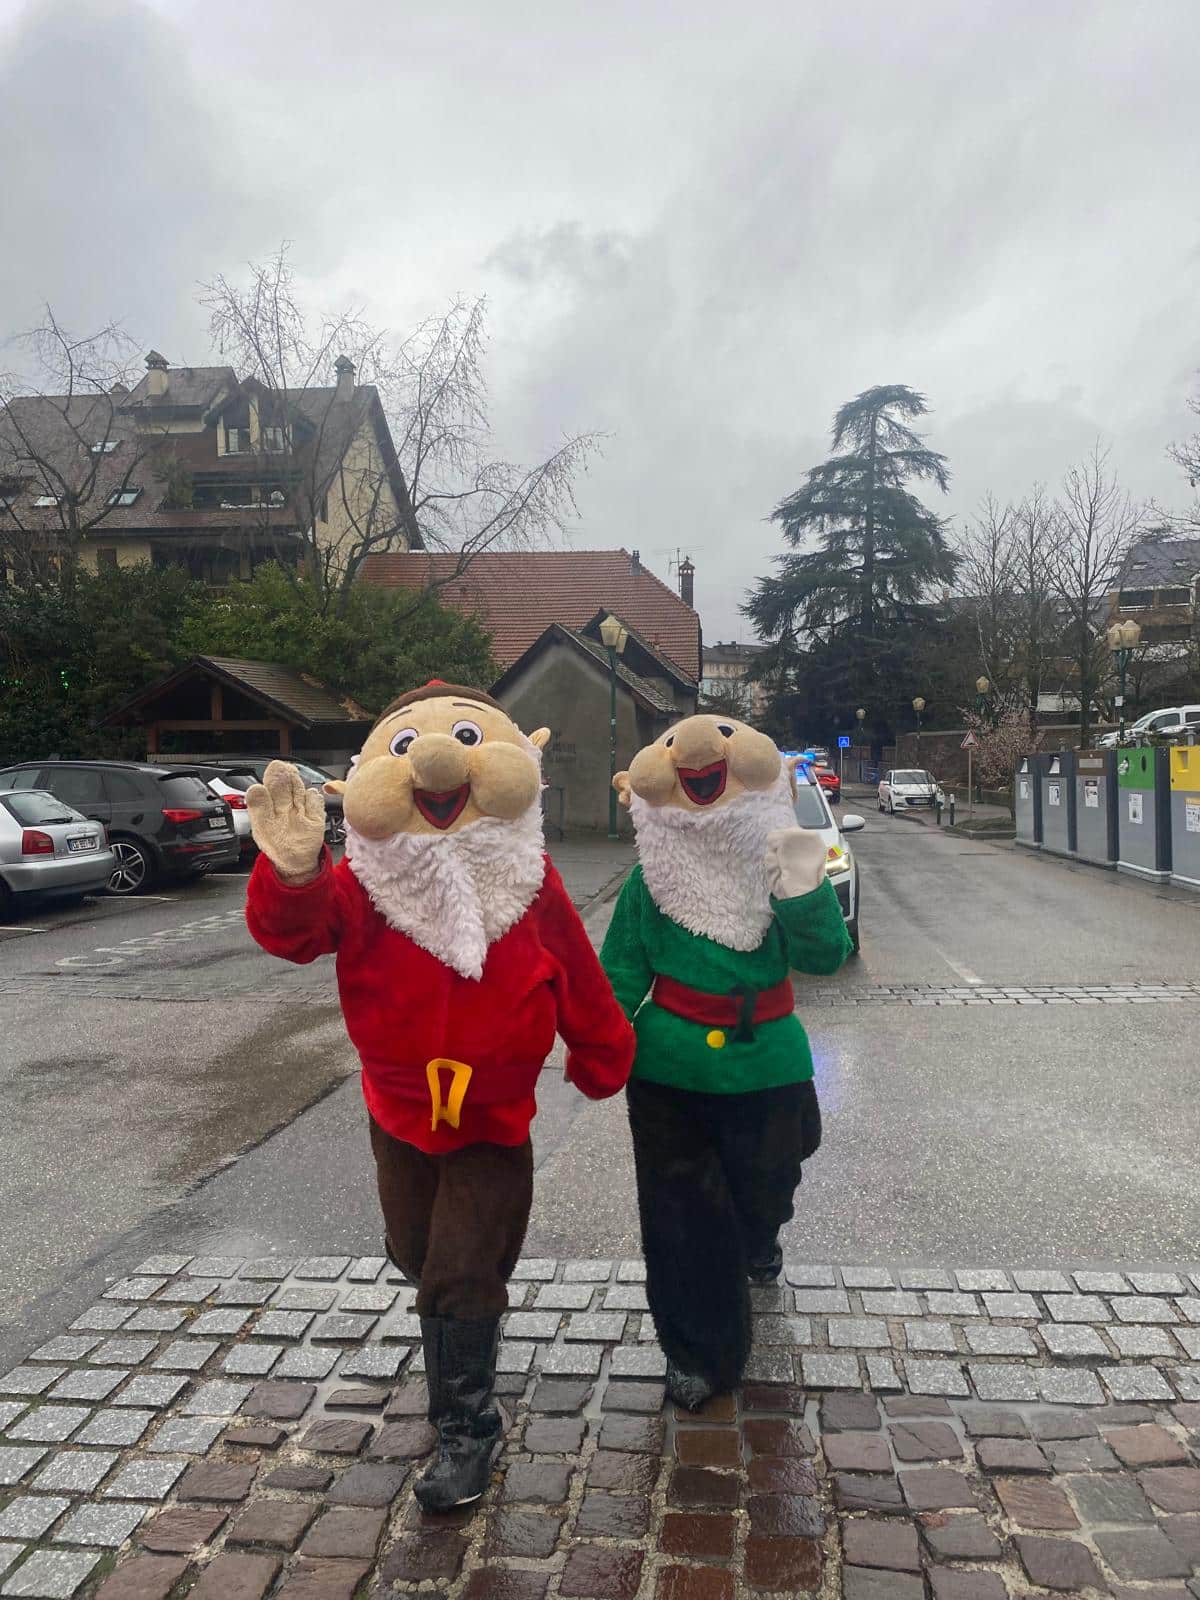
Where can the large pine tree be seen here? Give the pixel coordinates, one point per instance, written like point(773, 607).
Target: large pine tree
point(865, 553)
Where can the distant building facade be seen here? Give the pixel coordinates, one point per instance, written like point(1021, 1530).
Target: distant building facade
point(726, 681)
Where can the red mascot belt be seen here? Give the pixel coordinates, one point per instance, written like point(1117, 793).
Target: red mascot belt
point(740, 1009)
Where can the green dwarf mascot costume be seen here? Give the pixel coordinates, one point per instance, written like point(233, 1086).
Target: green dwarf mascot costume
point(729, 896)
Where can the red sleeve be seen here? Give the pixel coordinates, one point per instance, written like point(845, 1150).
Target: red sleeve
point(298, 922)
point(599, 1039)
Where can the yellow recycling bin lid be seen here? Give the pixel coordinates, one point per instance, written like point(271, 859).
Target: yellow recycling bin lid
point(1185, 767)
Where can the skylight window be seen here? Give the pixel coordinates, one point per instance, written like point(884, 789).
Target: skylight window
point(45, 500)
point(104, 447)
point(123, 497)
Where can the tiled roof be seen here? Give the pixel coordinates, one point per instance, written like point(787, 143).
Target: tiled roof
point(517, 595)
point(1161, 564)
point(646, 693)
point(297, 696)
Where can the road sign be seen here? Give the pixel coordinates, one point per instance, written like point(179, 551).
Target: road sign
point(843, 741)
point(971, 742)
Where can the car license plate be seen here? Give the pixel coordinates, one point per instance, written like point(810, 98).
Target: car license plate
point(88, 843)
point(216, 822)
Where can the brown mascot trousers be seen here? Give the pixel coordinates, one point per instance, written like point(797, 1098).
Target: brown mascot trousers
point(455, 1223)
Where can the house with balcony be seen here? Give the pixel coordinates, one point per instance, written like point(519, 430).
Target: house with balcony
point(197, 467)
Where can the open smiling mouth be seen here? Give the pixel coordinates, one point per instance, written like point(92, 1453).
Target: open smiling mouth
point(440, 810)
point(703, 785)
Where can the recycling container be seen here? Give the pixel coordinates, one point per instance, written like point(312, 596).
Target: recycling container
point(1027, 803)
point(1144, 811)
point(1095, 786)
point(1185, 816)
point(1056, 783)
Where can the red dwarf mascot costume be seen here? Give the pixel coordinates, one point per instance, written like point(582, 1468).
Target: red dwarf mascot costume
point(728, 896)
point(459, 956)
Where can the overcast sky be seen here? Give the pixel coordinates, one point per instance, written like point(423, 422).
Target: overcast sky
point(702, 225)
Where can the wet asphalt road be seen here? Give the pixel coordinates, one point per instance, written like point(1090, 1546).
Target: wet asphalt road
point(147, 1043)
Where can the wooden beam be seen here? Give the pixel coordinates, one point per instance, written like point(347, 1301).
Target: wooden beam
point(216, 701)
point(223, 726)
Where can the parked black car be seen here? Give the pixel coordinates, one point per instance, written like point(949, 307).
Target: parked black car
point(160, 820)
point(312, 778)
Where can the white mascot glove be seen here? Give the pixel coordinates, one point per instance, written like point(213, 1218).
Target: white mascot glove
point(288, 822)
point(795, 862)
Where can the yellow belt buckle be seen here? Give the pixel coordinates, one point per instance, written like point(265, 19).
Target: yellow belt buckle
point(452, 1110)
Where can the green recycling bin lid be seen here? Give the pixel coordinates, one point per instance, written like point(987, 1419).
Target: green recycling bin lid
point(1136, 766)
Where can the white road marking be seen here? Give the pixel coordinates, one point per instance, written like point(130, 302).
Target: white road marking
point(964, 973)
point(12, 927)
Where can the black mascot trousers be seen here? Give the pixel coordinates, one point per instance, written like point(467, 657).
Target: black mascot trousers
point(716, 1177)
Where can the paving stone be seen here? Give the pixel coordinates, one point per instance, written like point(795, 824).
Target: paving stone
point(1173, 1488)
point(606, 1326)
point(1187, 1381)
point(281, 1402)
point(219, 1323)
point(985, 1339)
point(186, 1355)
point(16, 1461)
point(848, 1413)
point(68, 1347)
point(75, 1471)
point(925, 1278)
point(507, 1583)
point(1143, 1308)
point(787, 1330)
point(930, 1334)
point(936, 1489)
point(1142, 1341)
point(823, 1302)
point(949, 1585)
point(640, 1363)
point(188, 1435)
point(50, 1424)
point(639, 1434)
point(1033, 1503)
point(1041, 1282)
point(255, 1436)
point(105, 1526)
point(145, 1480)
point(217, 1481)
point(1157, 1283)
point(990, 1422)
point(890, 1303)
point(1059, 1564)
point(323, 1268)
point(777, 1436)
point(925, 1441)
point(787, 1475)
point(148, 1389)
point(236, 1578)
point(831, 1372)
point(532, 1324)
point(867, 1278)
point(1068, 1386)
point(915, 1405)
point(214, 1266)
point(192, 1291)
point(103, 1317)
point(940, 1304)
point(434, 1554)
point(279, 1524)
point(1062, 1425)
point(1081, 1455)
point(601, 1573)
point(278, 1324)
point(52, 1574)
point(537, 1483)
point(1011, 1305)
point(882, 1374)
point(857, 1452)
point(1189, 1306)
point(564, 1297)
point(786, 1399)
point(700, 1486)
point(1142, 1553)
point(1003, 1381)
point(1136, 1383)
point(143, 1578)
point(305, 1480)
point(402, 1441)
point(254, 1360)
point(719, 1408)
point(304, 1297)
point(1010, 1455)
point(28, 1516)
point(785, 1516)
point(356, 1397)
point(1184, 1534)
point(1076, 1308)
point(1108, 1498)
point(217, 1398)
point(1071, 1339)
point(556, 1396)
point(789, 1565)
point(935, 1377)
point(526, 1535)
point(535, 1270)
point(859, 1332)
point(867, 1583)
point(697, 1537)
point(307, 1363)
point(30, 1380)
point(1147, 1445)
point(346, 1532)
point(136, 1288)
point(373, 1361)
point(624, 1297)
point(964, 1536)
point(612, 1516)
point(870, 1542)
point(802, 1277)
point(337, 1327)
point(377, 1298)
point(858, 1492)
point(638, 1397)
point(242, 1294)
point(337, 1436)
point(1100, 1283)
point(553, 1435)
point(10, 1410)
point(693, 1583)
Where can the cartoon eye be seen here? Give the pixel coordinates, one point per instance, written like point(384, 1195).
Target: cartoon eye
point(402, 740)
point(467, 733)
point(669, 740)
point(724, 729)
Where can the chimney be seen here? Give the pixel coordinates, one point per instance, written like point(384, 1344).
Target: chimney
point(687, 573)
point(156, 375)
point(635, 564)
point(344, 368)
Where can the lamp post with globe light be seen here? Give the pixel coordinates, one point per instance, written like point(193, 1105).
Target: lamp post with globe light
point(1123, 641)
point(918, 706)
point(613, 636)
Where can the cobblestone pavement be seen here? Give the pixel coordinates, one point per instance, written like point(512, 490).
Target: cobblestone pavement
point(235, 1429)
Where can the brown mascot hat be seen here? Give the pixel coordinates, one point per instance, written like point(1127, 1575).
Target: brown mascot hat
point(435, 689)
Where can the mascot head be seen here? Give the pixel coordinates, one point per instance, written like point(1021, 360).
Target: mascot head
point(438, 759)
point(701, 763)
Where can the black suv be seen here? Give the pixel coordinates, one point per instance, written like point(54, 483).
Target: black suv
point(160, 820)
point(311, 777)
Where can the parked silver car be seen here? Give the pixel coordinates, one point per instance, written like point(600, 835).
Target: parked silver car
point(48, 848)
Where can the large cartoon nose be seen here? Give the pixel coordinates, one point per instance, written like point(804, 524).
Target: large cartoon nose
point(439, 763)
point(696, 745)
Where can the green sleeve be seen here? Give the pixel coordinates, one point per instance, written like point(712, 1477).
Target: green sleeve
point(623, 955)
point(814, 931)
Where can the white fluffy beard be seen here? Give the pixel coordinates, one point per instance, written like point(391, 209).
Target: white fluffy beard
point(707, 870)
point(456, 893)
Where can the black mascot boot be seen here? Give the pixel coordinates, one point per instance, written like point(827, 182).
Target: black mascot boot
point(460, 1369)
point(766, 1262)
point(688, 1389)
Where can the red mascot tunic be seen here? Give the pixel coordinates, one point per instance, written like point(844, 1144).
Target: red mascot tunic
point(449, 1061)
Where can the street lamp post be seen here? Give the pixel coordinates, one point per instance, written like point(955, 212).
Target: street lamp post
point(1123, 641)
point(860, 717)
point(918, 707)
point(613, 636)
point(982, 686)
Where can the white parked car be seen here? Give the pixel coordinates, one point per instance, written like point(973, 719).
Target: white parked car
point(48, 848)
point(906, 787)
point(812, 811)
point(1157, 724)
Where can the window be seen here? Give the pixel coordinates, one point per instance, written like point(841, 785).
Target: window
point(33, 809)
point(123, 789)
point(45, 500)
point(76, 786)
point(235, 440)
point(810, 807)
point(1174, 597)
point(23, 778)
point(106, 559)
point(910, 778)
point(104, 447)
point(272, 439)
point(1135, 599)
point(1192, 717)
point(183, 789)
point(123, 497)
point(277, 498)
